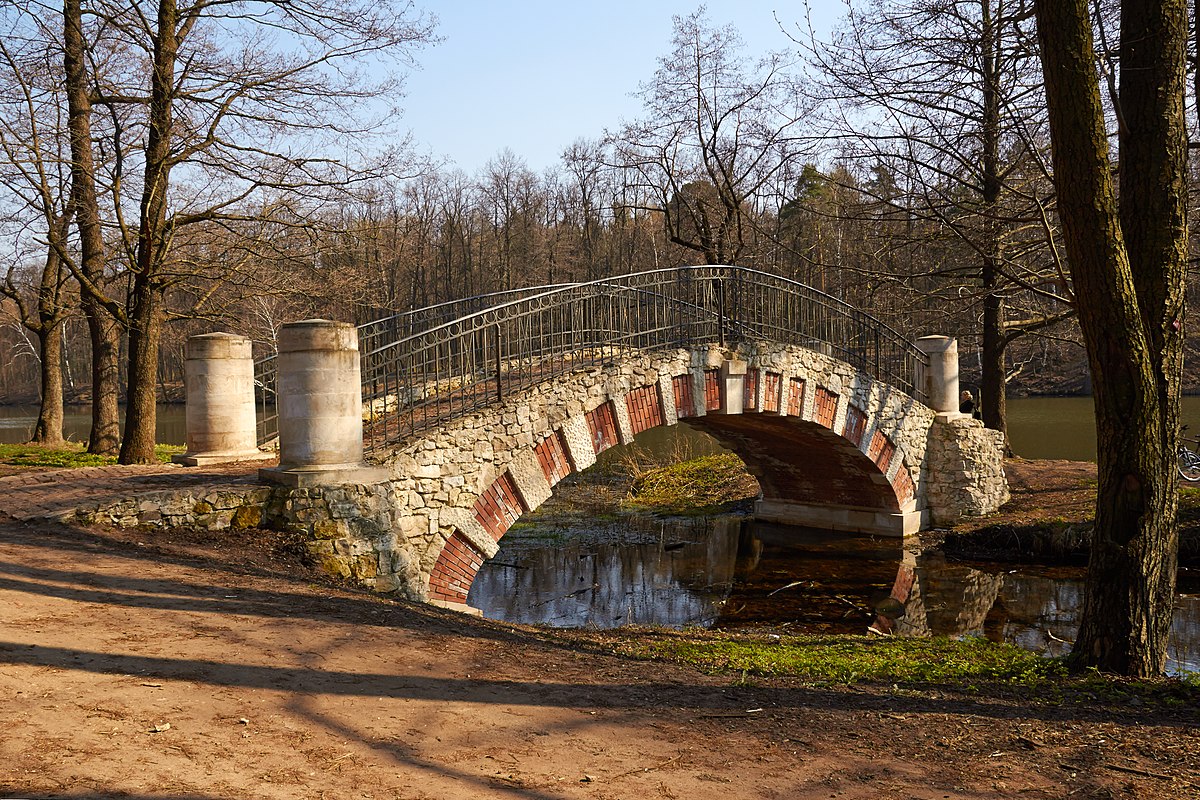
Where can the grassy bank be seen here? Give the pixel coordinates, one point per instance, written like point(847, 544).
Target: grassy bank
point(70, 456)
point(905, 665)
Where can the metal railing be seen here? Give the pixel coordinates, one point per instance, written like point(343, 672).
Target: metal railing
point(375, 335)
point(415, 382)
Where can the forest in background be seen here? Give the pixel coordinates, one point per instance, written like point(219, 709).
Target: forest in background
point(902, 166)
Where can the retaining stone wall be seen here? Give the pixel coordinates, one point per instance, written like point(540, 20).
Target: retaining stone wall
point(237, 506)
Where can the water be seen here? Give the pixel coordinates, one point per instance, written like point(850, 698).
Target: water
point(1065, 427)
point(17, 423)
point(737, 574)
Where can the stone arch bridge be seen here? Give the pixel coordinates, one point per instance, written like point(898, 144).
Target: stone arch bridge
point(408, 458)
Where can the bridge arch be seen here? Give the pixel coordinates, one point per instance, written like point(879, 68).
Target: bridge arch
point(475, 413)
point(833, 447)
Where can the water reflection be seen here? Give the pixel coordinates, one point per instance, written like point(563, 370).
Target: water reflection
point(733, 573)
point(643, 574)
point(17, 423)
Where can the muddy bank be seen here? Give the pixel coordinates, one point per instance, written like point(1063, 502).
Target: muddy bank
point(1049, 518)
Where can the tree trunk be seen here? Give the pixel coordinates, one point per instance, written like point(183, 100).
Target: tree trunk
point(104, 337)
point(51, 314)
point(145, 318)
point(992, 394)
point(1127, 266)
point(49, 428)
point(140, 406)
point(102, 326)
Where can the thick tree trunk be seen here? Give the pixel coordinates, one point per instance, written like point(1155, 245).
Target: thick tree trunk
point(51, 313)
point(1127, 268)
point(49, 428)
point(105, 340)
point(145, 319)
point(140, 406)
point(102, 326)
point(993, 396)
point(992, 381)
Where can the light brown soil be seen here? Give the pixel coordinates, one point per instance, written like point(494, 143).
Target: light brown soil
point(1046, 489)
point(277, 684)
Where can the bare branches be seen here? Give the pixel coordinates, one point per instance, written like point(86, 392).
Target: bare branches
point(718, 131)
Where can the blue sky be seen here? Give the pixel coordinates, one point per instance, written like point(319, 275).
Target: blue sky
point(533, 76)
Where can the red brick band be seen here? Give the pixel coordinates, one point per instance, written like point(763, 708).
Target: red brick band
point(645, 408)
point(603, 424)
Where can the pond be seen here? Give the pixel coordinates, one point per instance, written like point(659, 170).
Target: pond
point(734, 573)
point(1065, 427)
point(17, 423)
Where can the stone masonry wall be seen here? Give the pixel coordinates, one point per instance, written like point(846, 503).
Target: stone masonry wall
point(966, 470)
point(237, 506)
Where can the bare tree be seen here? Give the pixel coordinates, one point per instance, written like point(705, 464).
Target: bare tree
point(945, 95)
point(245, 110)
point(33, 178)
point(103, 333)
point(716, 131)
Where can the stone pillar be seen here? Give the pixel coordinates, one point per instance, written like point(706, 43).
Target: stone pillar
point(940, 378)
point(221, 423)
point(320, 407)
point(733, 386)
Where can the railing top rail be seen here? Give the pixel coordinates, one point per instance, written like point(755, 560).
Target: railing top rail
point(463, 301)
point(444, 304)
point(624, 282)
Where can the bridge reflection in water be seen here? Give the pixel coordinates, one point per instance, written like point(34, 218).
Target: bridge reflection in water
point(735, 573)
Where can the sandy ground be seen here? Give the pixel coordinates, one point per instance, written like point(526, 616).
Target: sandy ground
point(156, 665)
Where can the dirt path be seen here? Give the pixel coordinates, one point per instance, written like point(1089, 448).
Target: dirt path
point(275, 684)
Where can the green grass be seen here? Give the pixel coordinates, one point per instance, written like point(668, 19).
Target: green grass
point(1189, 498)
point(699, 484)
point(907, 664)
point(68, 457)
point(850, 659)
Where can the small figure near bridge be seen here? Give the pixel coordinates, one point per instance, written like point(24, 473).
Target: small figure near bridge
point(966, 405)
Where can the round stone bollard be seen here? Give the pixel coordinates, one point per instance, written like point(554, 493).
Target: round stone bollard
point(940, 378)
point(319, 402)
point(220, 418)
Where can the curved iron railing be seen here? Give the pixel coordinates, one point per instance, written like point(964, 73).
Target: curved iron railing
point(376, 334)
point(416, 382)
